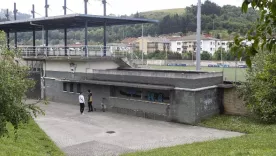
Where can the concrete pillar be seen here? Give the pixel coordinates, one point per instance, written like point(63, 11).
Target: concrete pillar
point(86, 39)
point(104, 51)
point(65, 41)
point(65, 29)
point(15, 40)
point(46, 31)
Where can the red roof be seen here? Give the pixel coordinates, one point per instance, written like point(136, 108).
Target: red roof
point(128, 40)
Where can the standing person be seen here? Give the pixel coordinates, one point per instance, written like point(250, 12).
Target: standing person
point(90, 101)
point(82, 101)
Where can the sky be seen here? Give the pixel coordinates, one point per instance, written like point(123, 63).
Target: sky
point(117, 7)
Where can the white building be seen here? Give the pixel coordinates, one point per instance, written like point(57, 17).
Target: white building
point(188, 44)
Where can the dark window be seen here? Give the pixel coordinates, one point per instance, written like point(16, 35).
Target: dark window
point(157, 96)
point(71, 87)
point(65, 87)
point(141, 94)
point(78, 88)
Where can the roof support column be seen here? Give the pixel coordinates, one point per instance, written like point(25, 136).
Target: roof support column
point(34, 39)
point(65, 41)
point(86, 40)
point(104, 51)
point(8, 39)
point(15, 40)
point(65, 30)
point(33, 12)
point(46, 31)
point(104, 40)
point(15, 33)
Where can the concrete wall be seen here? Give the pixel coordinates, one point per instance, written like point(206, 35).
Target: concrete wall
point(54, 92)
point(192, 107)
point(183, 107)
point(177, 82)
point(82, 67)
point(139, 105)
point(206, 104)
point(187, 62)
point(232, 103)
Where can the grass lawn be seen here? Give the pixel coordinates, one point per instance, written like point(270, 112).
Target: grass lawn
point(229, 73)
point(31, 141)
point(260, 140)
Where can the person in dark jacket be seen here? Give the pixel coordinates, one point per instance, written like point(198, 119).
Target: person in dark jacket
point(90, 107)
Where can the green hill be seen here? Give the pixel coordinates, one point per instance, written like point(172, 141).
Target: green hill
point(159, 14)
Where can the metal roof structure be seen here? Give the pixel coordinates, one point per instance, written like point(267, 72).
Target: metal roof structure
point(68, 21)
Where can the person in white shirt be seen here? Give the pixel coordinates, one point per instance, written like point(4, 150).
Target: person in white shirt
point(82, 102)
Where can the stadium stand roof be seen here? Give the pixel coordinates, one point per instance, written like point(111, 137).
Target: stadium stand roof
point(68, 21)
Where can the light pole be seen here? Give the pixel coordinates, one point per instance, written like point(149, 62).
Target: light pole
point(198, 35)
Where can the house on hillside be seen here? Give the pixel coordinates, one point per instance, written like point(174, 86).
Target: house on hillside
point(152, 44)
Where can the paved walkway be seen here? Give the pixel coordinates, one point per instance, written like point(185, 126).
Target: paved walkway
point(85, 135)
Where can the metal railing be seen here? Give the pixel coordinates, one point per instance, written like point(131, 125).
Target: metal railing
point(76, 51)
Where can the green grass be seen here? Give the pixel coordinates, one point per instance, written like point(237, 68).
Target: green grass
point(229, 73)
point(168, 11)
point(260, 140)
point(31, 141)
point(159, 14)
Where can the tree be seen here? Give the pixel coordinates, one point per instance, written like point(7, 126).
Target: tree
point(259, 46)
point(14, 85)
point(205, 55)
point(259, 89)
point(210, 8)
point(262, 34)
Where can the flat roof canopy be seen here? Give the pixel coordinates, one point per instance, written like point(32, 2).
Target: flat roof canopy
point(69, 21)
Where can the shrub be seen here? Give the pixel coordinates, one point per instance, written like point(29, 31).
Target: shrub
point(260, 89)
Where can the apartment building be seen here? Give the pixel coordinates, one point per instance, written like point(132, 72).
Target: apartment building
point(152, 44)
point(188, 44)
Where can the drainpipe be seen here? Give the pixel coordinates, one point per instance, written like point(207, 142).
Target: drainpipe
point(43, 79)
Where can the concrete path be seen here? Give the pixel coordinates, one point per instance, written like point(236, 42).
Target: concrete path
point(85, 135)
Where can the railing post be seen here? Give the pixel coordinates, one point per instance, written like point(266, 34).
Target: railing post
point(87, 51)
point(69, 52)
point(35, 54)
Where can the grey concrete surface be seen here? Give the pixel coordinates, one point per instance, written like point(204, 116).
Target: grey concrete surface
point(85, 135)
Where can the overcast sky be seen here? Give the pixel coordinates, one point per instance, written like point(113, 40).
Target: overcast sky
point(117, 7)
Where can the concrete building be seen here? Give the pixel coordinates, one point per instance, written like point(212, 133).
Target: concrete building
point(152, 44)
point(188, 44)
point(179, 96)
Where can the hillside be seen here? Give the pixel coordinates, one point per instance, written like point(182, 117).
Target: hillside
point(159, 14)
point(221, 21)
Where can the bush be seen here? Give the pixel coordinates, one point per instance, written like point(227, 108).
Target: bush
point(205, 55)
point(162, 55)
point(260, 89)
